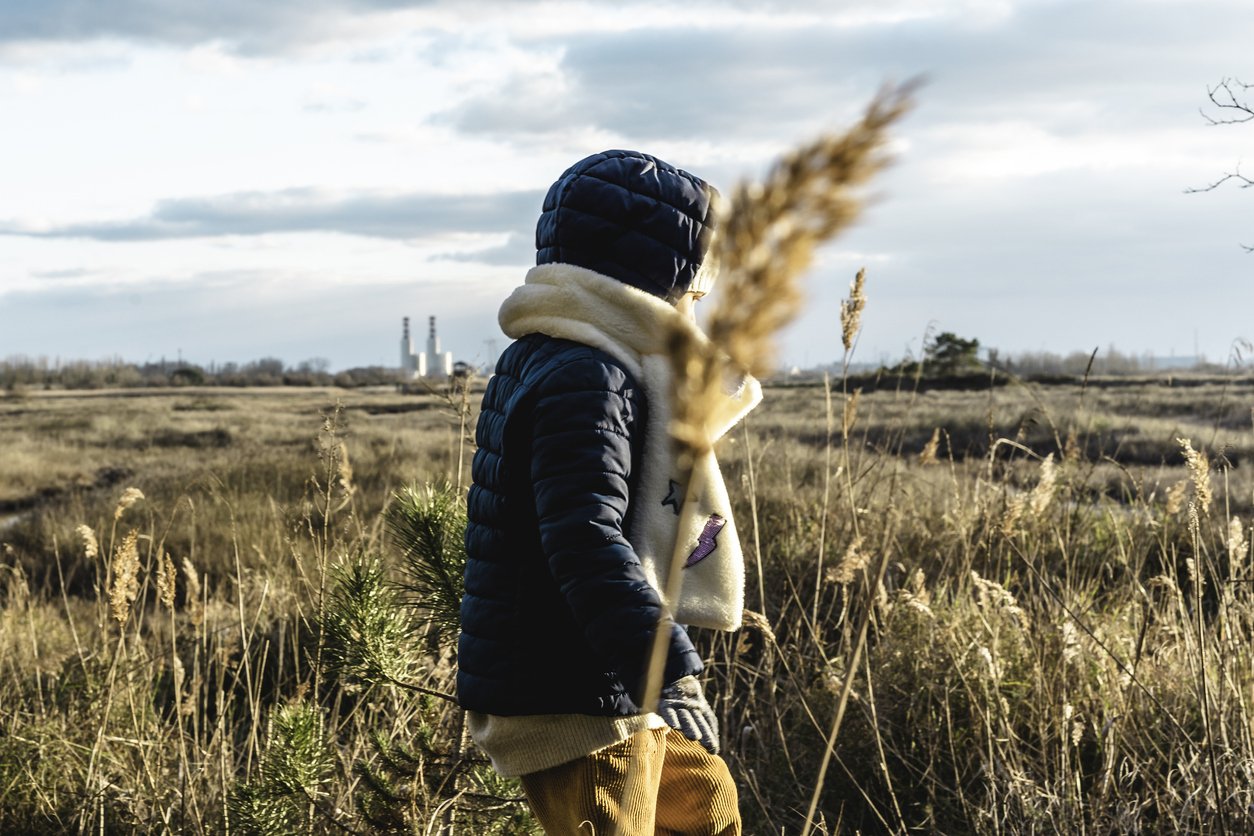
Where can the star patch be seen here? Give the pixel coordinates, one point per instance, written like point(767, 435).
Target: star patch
point(672, 497)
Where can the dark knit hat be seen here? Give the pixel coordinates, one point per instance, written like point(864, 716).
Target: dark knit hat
point(633, 217)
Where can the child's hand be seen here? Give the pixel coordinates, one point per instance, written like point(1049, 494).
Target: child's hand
point(684, 709)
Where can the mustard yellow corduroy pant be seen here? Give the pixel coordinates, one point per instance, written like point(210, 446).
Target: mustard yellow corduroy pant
point(676, 789)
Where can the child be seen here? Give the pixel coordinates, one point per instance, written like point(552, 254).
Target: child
point(574, 515)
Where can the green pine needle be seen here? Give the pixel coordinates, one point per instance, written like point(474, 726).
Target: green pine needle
point(428, 525)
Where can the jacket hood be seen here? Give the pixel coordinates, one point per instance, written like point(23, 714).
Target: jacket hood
point(632, 217)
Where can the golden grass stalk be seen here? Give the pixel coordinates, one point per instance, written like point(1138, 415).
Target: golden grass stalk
point(765, 244)
point(850, 413)
point(766, 241)
point(125, 576)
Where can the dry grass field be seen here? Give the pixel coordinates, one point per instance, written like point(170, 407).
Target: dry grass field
point(1022, 610)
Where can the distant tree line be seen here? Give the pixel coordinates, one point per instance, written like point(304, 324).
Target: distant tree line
point(1106, 361)
point(944, 355)
point(947, 355)
point(22, 372)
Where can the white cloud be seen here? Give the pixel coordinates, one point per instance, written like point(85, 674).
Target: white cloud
point(318, 150)
point(375, 214)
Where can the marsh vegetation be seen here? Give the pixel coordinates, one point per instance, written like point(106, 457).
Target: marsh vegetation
point(210, 623)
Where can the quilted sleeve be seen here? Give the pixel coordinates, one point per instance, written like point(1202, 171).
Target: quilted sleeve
point(585, 413)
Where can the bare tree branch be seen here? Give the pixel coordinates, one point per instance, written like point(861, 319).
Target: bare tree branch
point(1242, 182)
point(1230, 96)
point(1226, 97)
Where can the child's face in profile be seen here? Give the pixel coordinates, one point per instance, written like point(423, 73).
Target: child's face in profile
point(687, 304)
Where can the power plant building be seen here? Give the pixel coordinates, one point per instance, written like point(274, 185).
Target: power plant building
point(429, 363)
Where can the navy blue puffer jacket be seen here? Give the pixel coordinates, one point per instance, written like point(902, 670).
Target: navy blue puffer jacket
point(557, 616)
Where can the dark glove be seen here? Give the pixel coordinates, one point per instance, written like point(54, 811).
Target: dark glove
point(684, 709)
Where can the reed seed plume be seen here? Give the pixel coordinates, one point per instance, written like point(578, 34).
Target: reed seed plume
point(195, 604)
point(1176, 495)
point(851, 310)
point(766, 242)
point(1165, 583)
point(761, 623)
point(1195, 578)
point(990, 661)
point(125, 576)
point(1077, 726)
point(991, 594)
point(1071, 447)
point(916, 596)
point(853, 562)
point(1014, 512)
point(165, 580)
point(18, 588)
point(91, 548)
point(928, 454)
point(1237, 543)
point(1070, 641)
point(919, 605)
point(129, 497)
point(1041, 495)
point(345, 469)
point(187, 706)
point(1199, 472)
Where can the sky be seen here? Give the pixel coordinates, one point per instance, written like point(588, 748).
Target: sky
point(226, 181)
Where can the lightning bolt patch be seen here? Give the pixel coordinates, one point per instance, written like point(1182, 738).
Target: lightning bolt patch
point(707, 541)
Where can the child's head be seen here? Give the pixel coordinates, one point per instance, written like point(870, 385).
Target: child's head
point(635, 218)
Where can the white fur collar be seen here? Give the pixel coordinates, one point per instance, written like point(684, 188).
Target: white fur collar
point(569, 302)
